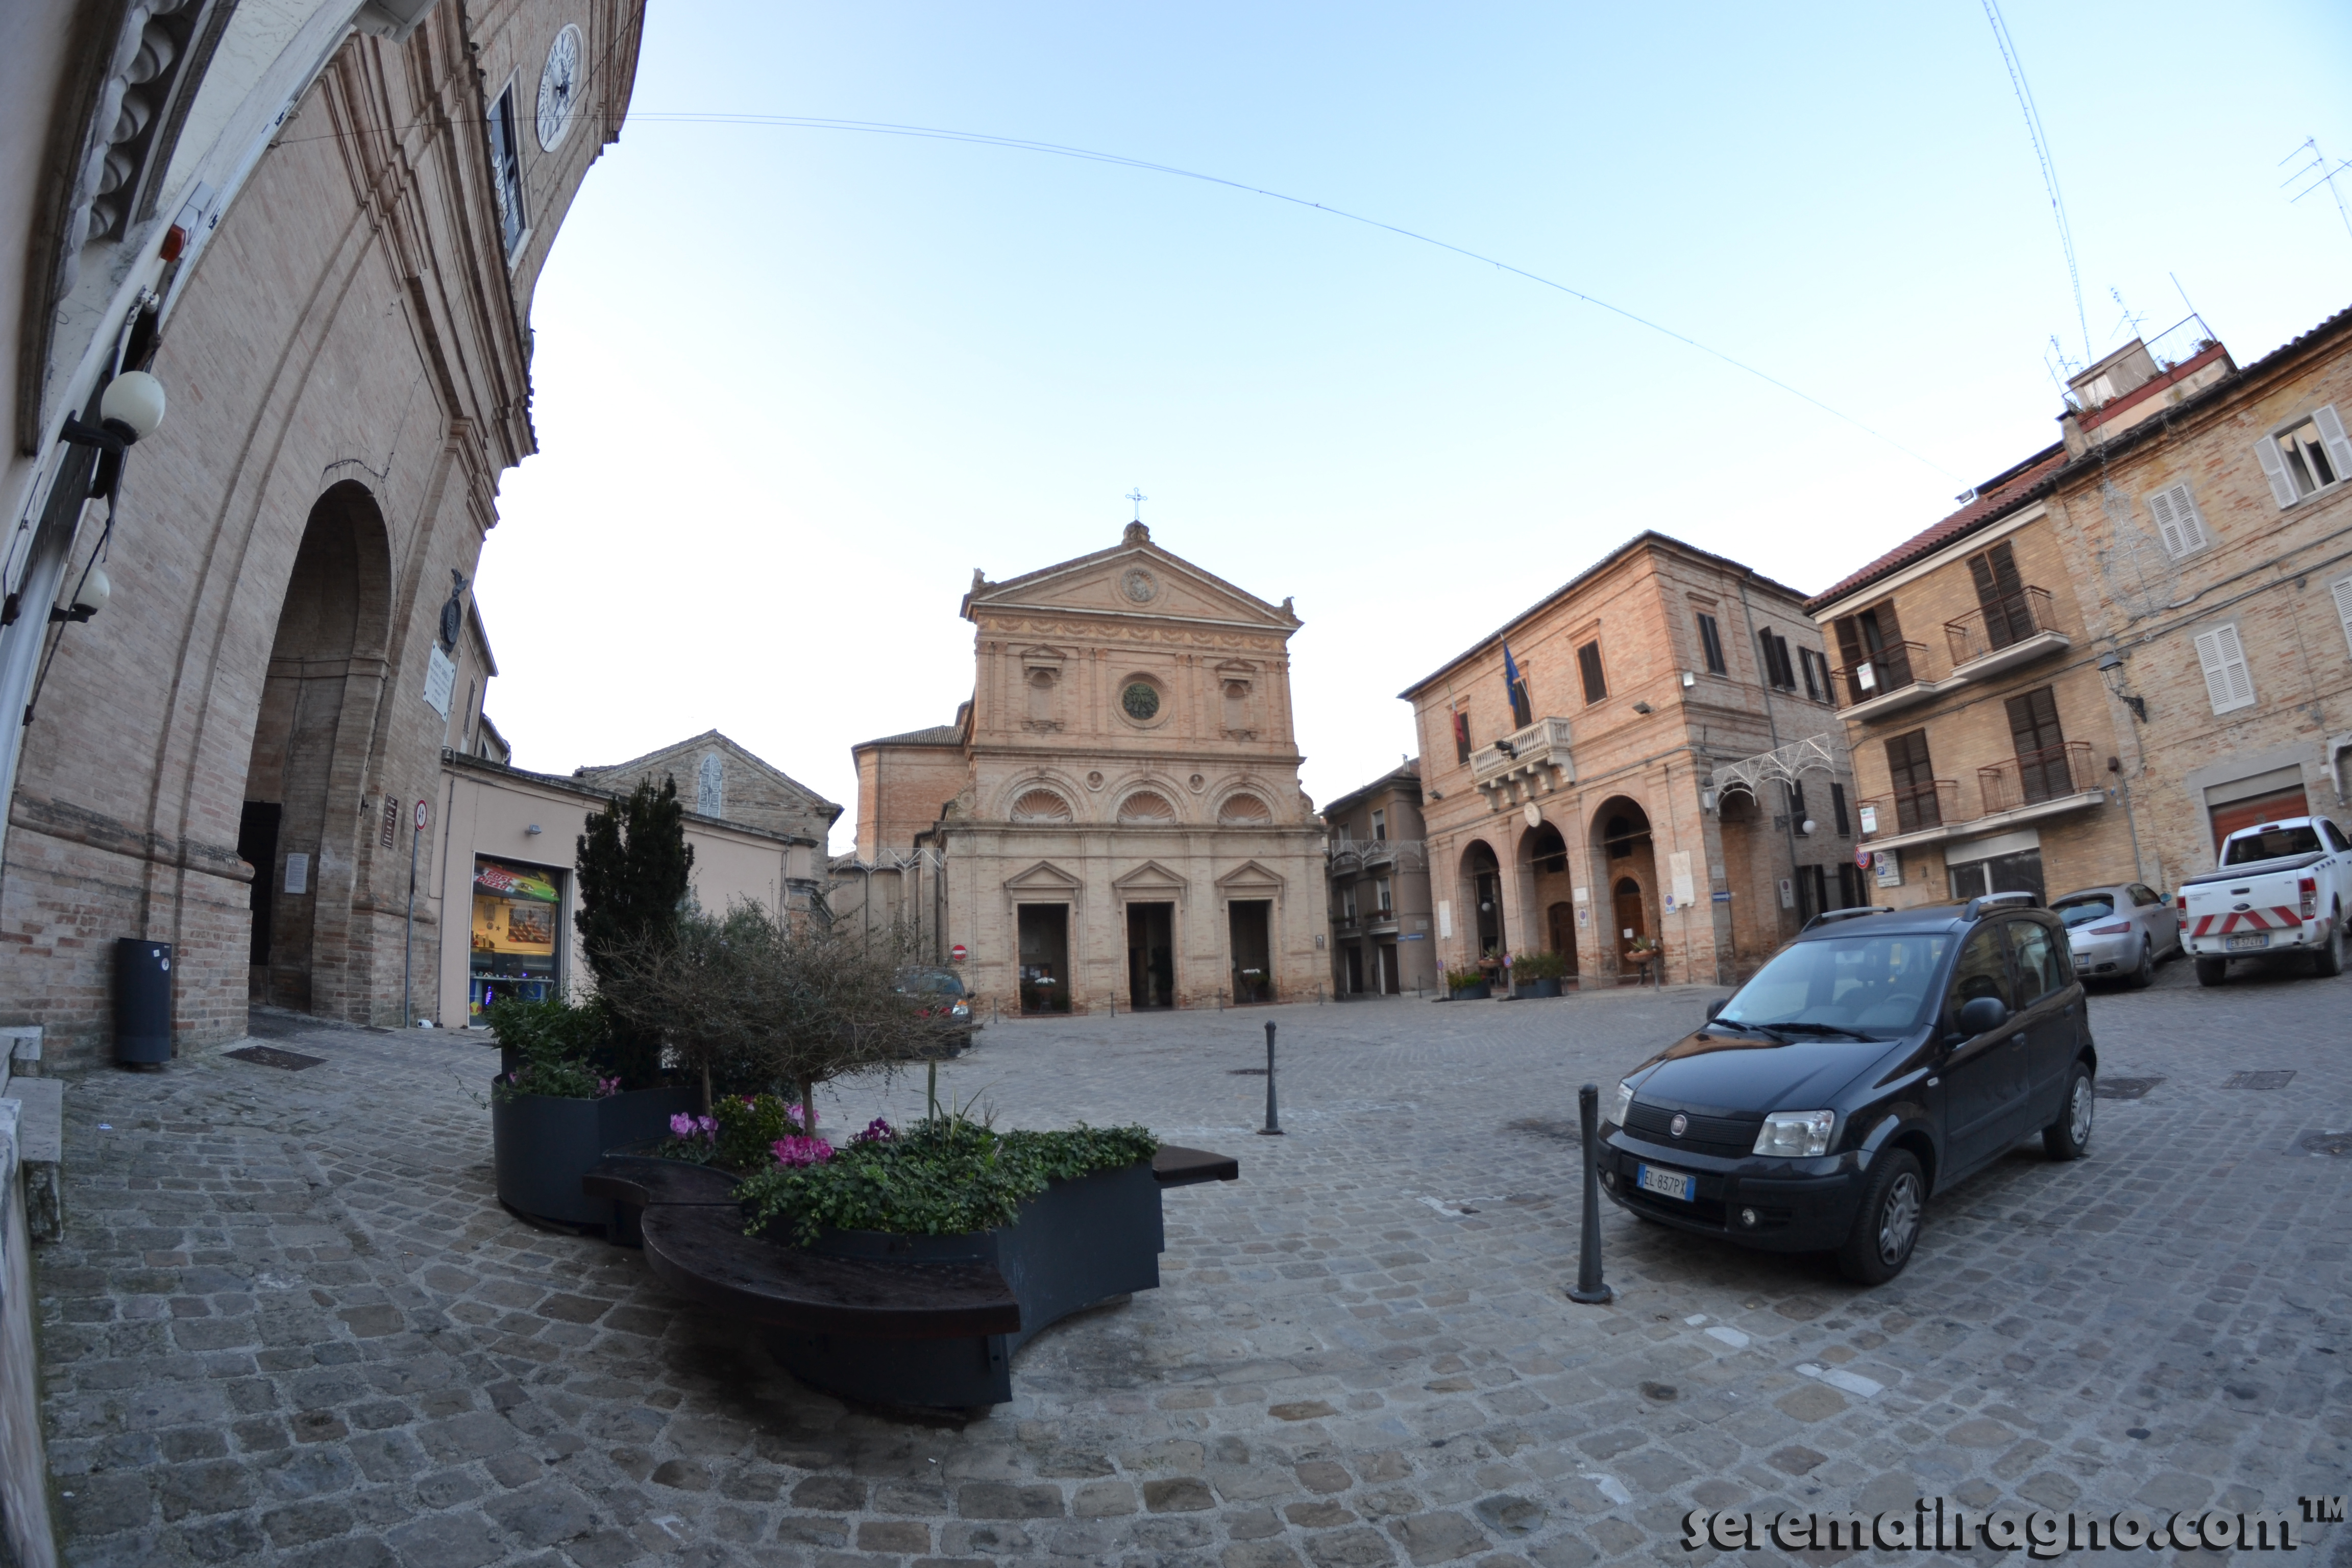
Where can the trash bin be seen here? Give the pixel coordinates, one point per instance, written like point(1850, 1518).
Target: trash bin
point(142, 1001)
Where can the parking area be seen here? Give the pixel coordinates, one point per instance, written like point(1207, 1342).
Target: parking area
point(290, 1324)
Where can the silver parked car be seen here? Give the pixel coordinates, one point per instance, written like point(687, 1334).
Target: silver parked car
point(2121, 932)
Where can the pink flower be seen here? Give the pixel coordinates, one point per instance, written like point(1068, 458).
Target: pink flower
point(607, 1087)
point(708, 1126)
point(877, 1132)
point(682, 1125)
point(795, 1152)
point(793, 1115)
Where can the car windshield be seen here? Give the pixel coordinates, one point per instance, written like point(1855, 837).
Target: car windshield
point(2271, 844)
point(2082, 911)
point(932, 982)
point(1873, 986)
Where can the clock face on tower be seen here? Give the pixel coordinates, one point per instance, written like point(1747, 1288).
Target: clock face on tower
point(559, 86)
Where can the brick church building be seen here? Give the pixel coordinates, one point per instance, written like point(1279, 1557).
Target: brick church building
point(1114, 819)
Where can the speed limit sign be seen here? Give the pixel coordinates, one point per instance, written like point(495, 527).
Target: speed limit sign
point(420, 816)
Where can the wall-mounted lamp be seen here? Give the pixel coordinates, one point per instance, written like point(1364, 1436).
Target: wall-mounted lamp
point(86, 598)
point(1690, 679)
point(1805, 828)
point(128, 413)
point(533, 831)
point(2111, 660)
point(1707, 799)
point(1642, 708)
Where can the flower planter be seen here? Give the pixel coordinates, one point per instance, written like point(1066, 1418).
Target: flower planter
point(1544, 987)
point(1477, 992)
point(542, 1145)
point(1076, 1245)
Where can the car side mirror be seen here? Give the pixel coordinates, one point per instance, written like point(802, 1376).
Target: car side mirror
point(1716, 1007)
point(1982, 1015)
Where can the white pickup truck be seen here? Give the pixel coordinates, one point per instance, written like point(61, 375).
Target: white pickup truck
point(2284, 887)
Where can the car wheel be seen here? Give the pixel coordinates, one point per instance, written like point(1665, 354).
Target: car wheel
point(2211, 971)
point(2329, 959)
point(1887, 1227)
point(2143, 977)
point(2069, 1136)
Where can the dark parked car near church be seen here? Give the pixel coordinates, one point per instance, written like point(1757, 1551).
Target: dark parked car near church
point(1882, 1056)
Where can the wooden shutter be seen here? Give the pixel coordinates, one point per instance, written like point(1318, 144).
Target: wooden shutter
point(2041, 773)
point(1837, 806)
point(2227, 681)
point(2177, 522)
point(1710, 642)
point(1907, 761)
point(2343, 591)
point(2273, 463)
point(1461, 735)
point(1588, 664)
point(2331, 435)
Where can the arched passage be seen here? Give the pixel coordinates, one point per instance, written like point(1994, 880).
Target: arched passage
point(1627, 868)
point(308, 770)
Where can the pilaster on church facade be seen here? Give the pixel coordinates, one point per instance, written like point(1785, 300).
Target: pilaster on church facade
point(1127, 828)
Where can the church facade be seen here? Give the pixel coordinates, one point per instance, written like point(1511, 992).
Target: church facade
point(1115, 816)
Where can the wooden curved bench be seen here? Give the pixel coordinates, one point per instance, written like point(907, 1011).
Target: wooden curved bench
point(936, 1327)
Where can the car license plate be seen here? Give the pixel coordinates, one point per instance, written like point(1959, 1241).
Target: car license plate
point(2251, 939)
point(1667, 1183)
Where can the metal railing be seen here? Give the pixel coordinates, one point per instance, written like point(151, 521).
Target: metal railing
point(2008, 620)
point(1911, 810)
point(1890, 669)
point(2050, 772)
point(1345, 855)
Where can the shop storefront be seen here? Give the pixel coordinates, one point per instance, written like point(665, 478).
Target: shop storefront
point(517, 920)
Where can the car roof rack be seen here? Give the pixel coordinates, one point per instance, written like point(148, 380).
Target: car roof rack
point(1977, 906)
point(1828, 915)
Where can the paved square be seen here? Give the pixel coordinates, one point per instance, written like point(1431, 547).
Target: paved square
point(289, 1324)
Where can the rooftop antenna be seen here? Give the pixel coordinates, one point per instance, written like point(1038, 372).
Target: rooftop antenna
point(2319, 173)
point(2128, 319)
point(2049, 168)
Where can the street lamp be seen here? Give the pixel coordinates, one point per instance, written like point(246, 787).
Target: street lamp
point(128, 411)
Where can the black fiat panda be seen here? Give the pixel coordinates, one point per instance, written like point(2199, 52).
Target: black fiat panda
point(1882, 1056)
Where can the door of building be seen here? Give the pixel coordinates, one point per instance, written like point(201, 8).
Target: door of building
point(256, 844)
point(1150, 955)
point(1355, 957)
point(1389, 984)
point(1631, 922)
point(1561, 917)
point(1044, 958)
point(1250, 922)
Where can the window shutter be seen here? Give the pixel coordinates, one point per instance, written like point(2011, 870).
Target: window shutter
point(2177, 522)
point(2227, 681)
point(2274, 470)
point(2331, 431)
point(2343, 591)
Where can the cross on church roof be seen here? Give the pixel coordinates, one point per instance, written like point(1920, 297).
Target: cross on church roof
point(1139, 498)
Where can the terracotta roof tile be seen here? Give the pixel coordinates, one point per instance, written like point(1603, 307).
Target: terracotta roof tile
point(1997, 496)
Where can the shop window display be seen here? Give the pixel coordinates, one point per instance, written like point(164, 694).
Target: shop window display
point(516, 913)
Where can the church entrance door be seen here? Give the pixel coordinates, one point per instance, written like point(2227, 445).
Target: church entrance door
point(1044, 958)
point(1251, 922)
point(1150, 955)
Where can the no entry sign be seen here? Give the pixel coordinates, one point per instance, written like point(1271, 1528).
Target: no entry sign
point(956, 954)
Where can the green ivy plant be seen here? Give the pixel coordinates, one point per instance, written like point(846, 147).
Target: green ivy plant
point(949, 1176)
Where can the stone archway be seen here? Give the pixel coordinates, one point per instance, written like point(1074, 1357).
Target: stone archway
point(308, 768)
point(1543, 856)
point(1625, 876)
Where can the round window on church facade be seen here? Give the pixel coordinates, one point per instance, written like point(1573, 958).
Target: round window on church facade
point(1142, 700)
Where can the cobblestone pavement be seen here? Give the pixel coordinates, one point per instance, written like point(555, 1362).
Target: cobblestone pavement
point(290, 1324)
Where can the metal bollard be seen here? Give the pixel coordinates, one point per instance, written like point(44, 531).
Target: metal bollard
point(1590, 1288)
point(1273, 1128)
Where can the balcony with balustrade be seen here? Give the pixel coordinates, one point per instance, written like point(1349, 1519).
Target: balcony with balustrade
point(1533, 761)
point(2053, 781)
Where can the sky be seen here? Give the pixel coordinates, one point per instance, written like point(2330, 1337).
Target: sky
point(793, 384)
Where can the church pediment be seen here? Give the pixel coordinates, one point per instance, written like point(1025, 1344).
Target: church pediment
point(1148, 879)
point(1250, 878)
point(1045, 877)
point(1137, 579)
